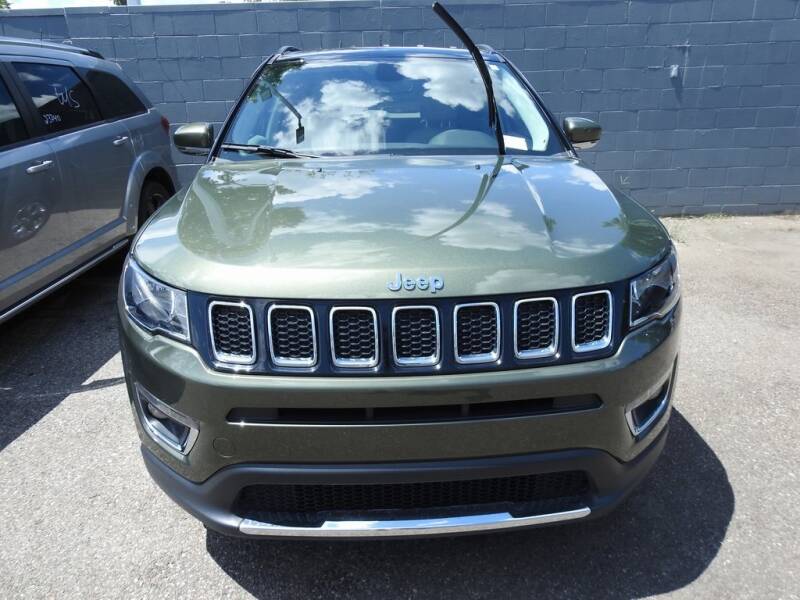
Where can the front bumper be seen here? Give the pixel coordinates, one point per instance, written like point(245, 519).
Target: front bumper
point(227, 457)
point(211, 501)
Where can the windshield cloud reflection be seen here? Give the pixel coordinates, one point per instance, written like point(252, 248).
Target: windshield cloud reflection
point(343, 118)
point(409, 106)
point(453, 83)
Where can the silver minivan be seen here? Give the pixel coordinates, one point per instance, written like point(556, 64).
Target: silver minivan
point(84, 160)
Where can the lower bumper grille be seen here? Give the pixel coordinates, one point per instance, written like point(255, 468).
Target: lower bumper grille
point(408, 415)
point(310, 505)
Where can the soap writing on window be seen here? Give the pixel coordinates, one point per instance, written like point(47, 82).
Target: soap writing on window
point(50, 118)
point(65, 96)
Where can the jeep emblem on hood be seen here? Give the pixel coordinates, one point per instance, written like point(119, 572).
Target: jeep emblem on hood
point(433, 283)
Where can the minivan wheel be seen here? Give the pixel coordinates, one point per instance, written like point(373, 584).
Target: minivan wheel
point(154, 194)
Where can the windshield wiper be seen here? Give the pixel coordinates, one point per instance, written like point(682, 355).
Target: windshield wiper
point(300, 132)
point(266, 150)
point(494, 115)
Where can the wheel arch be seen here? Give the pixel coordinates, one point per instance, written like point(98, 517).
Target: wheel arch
point(148, 166)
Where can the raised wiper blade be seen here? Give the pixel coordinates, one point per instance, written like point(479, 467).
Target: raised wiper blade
point(494, 114)
point(266, 150)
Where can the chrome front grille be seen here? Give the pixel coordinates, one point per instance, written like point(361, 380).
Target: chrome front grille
point(233, 338)
point(535, 327)
point(354, 336)
point(292, 335)
point(416, 335)
point(591, 321)
point(380, 337)
point(476, 332)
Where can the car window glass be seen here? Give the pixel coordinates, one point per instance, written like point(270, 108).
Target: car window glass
point(117, 99)
point(413, 105)
point(62, 99)
point(524, 126)
point(12, 129)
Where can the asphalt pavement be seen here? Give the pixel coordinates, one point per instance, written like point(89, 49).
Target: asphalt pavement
point(717, 518)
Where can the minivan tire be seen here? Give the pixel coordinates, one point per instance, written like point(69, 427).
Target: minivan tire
point(154, 194)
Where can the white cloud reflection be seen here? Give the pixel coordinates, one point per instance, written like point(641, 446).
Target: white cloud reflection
point(453, 83)
point(580, 176)
point(491, 228)
point(344, 118)
point(302, 185)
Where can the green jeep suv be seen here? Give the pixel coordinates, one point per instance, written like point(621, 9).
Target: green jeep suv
point(395, 302)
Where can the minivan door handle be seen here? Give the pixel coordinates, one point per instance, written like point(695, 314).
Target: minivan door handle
point(120, 140)
point(42, 165)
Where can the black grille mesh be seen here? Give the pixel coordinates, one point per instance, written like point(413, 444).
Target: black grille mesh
point(292, 333)
point(354, 334)
point(231, 327)
point(536, 325)
point(294, 501)
point(415, 333)
point(591, 318)
point(476, 330)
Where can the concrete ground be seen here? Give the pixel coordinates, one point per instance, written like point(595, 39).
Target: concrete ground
point(717, 518)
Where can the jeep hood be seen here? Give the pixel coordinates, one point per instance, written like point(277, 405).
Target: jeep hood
point(343, 228)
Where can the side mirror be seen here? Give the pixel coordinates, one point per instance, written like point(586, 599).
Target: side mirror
point(583, 133)
point(194, 138)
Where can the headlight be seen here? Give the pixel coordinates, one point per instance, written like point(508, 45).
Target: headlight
point(656, 292)
point(154, 305)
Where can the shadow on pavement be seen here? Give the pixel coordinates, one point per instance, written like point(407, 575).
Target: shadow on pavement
point(661, 539)
point(50, 350)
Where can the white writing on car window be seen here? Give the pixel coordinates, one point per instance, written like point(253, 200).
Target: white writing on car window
point(64, 96)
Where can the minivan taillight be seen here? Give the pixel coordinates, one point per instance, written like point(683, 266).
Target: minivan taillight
point(165, 123)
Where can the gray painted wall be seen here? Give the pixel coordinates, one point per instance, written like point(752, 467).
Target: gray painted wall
point(724, 135)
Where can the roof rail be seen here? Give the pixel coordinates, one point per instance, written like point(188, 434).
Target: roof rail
point(285, 49)
point(49, 46)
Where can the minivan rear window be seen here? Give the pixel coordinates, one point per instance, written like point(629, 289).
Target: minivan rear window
point(116, 99)
point(62, 99)
point(12, 128)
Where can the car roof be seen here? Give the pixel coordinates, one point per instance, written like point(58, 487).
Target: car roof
point(81, 58)
point(388, 52)
point(44, 49)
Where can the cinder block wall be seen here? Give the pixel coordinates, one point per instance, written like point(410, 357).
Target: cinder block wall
point(698, 98)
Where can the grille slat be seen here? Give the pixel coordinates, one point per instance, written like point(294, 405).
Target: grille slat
point(535, 327)
point(477, 332)
point(232, 332)
point(292, 335)
point(309, 503)
point(354, 336)
point(416, 337)
point(591, 321)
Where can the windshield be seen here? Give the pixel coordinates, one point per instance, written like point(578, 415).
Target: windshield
point(412, 105)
